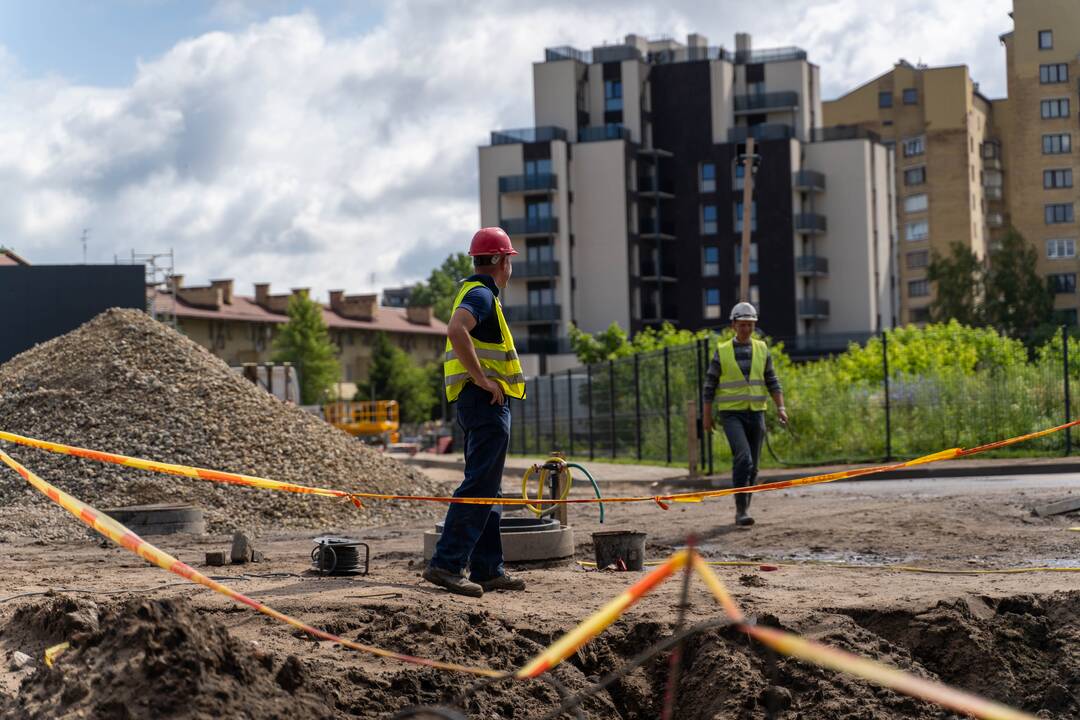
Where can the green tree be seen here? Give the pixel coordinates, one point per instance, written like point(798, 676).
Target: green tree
point(396, 376)
point(1018, 301)
point(959, 280)
point(305, 342)
point(615, 343)
point(442, 285)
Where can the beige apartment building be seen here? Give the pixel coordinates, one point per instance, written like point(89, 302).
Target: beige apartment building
point(240, 329)
point(1039, 122)
point(949, 174)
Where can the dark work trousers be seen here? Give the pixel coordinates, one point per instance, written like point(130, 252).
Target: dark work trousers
point(470, 536)
point(745, 429)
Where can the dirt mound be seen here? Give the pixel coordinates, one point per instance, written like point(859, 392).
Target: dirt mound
point(127, 384)
point(160, 659)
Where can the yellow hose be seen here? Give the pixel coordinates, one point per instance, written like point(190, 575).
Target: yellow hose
point(544, 474)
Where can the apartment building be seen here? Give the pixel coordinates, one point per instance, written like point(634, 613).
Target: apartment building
point(1039, 122)
point(240, 329)
point(948, 158)
point(625, 199)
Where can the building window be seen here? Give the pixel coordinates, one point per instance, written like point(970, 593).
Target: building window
point(537, 210)
point(918, 259)
point(1046, 39)
point(919, 315)
point(1057, 144)
point(1062, 283)
point(918, 288)
point(753, 259)
point(1059, 248)
point(739, 215)
point(884, 99)
point(916, 203)
point(710, 266)
point(915, 175)
point(541, 294)
point(917, 230)
point(1054, 73)
point(1054, 108)
point(612, 95)
point(708, 177)
point(538, 167)
point(911, 96)
point(740, 173)
point(712, 303)
point(1057, 213)
point(1057, 179)
point(708, 220)
point(914, 146)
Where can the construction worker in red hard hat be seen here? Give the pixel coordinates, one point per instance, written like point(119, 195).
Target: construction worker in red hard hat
point(740, 374)
point(481, 370)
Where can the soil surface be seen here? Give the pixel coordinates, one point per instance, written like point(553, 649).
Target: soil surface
point(162, 647)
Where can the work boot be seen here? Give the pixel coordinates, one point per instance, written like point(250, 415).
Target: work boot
point(742, 510)
point(502, 582)
point(454, 582)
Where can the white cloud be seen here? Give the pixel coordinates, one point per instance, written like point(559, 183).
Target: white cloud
point(280, 151)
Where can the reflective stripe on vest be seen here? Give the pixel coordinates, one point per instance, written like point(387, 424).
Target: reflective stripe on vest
point(734, 391)
point(499, 361)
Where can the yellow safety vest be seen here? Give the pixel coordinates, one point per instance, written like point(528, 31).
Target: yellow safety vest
point(498, 360)
point(734, 391)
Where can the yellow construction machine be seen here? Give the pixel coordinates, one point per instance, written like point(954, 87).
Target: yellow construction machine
point(371, 420)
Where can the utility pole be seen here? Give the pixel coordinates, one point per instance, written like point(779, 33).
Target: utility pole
point(85, 236)
point(749, 160)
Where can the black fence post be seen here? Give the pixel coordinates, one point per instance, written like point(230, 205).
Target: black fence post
point(611, 403)
point(667, 405)
point(539, 442)
point(888, 419)
point(706, 346)
point(699, 422)
point(569, 413)
point(554, 427)
point(637, 405)
point(1065, 369)
point(588, 398)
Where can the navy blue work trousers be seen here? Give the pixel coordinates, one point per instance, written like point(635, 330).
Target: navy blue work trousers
point(745, 429)
point(470, 536)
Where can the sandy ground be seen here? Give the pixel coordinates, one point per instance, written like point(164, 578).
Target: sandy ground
point(1007, 636)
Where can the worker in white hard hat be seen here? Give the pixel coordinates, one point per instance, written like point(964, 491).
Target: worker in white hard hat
point(739, 375)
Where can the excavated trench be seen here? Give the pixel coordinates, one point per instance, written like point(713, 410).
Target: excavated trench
point(167, 659)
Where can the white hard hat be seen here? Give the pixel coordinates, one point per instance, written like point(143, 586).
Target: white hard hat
point(744, 311)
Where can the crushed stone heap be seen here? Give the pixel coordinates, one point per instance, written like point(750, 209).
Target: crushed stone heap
point(127, 384)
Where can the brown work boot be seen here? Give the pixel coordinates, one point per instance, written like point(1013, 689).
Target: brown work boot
point(454, 582)
point(502, 582)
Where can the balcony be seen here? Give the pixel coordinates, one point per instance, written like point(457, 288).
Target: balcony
point(603, 132)
point(813, 309)
point(650, 271)
point(653, 230)
point(811, 266)
point(544, 182)
point(662, 189)
point(810, 223)
point(536, 269)
point(533, 313)
point(995, 219)
point(762, 131)
point(766, 102)
point(543, 346)
point(527, 135)
point(993, 193)
point(809, 181)
point(780, 54)
point(530, 226)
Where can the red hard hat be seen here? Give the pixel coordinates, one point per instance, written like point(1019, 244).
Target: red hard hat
point(491, 241)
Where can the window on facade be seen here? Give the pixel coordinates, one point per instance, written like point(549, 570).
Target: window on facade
point(911, 96)
point(1057, 144)
point(884, 99)
point(708, 177)
point(919, 230)
point(1062, 283)
point(914, 146)
point(916, 203)
point(613, 95)
point(538, 252)
point(538, 210)
point(542, 294)
point(1054, 108)
point(710, 266)
point(919, 315)
point(1057, 213)
point(740, 174)
point(915, 175)
point(708, 220)
point(918, 259)
point(1054, 73)
point(1057, 178)
point(753, 258)
point(918, 288)
point(538, 167)
point(712, 303)
point(1059, 248)
point(1046, 39)
point(739, 216)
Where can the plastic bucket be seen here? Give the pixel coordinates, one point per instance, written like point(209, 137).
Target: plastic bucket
point(615, 545)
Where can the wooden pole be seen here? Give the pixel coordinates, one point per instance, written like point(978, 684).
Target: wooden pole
point(747, 217)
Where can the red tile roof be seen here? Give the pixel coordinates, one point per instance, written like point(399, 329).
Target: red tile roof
point(244, 309)
point(7, 257)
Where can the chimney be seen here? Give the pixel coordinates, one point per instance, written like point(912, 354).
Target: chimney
point(337, 298)
point(262, 293)
point(205, 297)
point(302, 292)
point(418, 314)
point(175, 282)
point(353, 307)
point(226, 287)
point(743, 43)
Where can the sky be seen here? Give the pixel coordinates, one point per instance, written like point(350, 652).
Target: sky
point(333, 145)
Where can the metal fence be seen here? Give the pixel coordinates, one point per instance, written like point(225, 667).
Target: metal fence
point(636, 409)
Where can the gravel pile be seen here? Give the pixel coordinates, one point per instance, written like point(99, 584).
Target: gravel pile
point(127, 384)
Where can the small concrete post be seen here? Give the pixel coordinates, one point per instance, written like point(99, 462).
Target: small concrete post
point(561, 511)
point(692, 436)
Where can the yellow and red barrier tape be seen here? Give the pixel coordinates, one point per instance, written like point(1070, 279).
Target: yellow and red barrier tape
point(358, 497)
point(783, 642)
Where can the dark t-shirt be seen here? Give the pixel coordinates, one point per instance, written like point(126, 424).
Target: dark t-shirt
point(480, 302)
